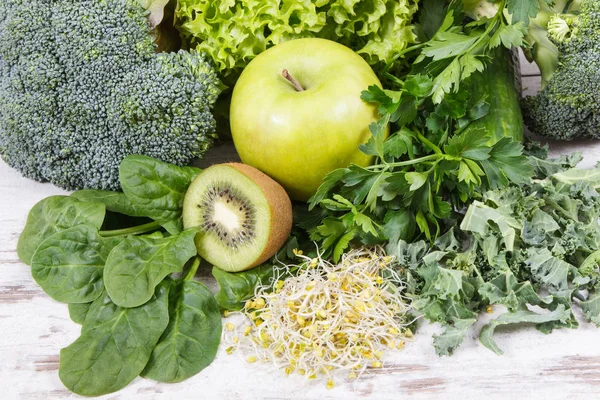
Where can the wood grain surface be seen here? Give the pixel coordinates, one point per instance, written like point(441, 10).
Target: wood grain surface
point(563, 365)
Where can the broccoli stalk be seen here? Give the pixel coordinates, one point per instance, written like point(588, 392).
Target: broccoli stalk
point(558, 19)
point(81, 87)
point(566, 47)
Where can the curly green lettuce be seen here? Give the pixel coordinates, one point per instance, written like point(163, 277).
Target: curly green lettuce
point(233, 32)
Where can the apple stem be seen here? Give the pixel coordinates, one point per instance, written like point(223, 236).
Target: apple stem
point(285, 73)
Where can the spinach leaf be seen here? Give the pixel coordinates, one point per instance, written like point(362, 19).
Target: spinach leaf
point(68, 265)
point(114, 201)
point(78, 311)
point(237, 287)
point(54, 214)
point(139, 263)
point(114, 346)
point(156, 188)
point(190, 342)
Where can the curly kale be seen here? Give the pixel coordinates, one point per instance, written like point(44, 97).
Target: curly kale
point(535, 244)
point(81, 87)
point(566, 47)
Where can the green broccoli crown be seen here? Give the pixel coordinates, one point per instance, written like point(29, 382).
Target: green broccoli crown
point(568, 106)
point(81, 87)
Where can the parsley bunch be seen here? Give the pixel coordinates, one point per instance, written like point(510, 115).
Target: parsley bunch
point(435, 162)
point(429, 167)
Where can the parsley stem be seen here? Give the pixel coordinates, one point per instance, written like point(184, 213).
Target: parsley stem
point(429, 144)
point(488, 30)
point(430, 157)
point(134, 230)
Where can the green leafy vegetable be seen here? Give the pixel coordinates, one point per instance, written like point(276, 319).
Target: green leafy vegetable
point(531, 248)
point(138, 264)
point(114, 346)
point(521, 316)
point(234, 32)
point(114, 201)
point(190, 341)
point(69, 265)
point(117, 282)
point(424, 171)
point(156, 189)
point(236, 288)
point(78, 312)
point(54, 214)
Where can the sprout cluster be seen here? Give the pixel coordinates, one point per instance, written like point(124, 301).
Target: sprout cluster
point(327, 318)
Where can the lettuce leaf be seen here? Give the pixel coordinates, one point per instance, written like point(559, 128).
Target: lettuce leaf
point(233, 32)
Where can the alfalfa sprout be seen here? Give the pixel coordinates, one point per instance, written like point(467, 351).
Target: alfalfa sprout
point(327, 318)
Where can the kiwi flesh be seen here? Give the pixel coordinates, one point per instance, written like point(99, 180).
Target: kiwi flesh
point(243, 216)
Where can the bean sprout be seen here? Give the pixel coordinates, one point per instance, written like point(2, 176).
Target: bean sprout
point(329, 317)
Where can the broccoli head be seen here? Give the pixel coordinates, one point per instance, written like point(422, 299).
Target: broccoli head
point(568, 106)
point(81, 87)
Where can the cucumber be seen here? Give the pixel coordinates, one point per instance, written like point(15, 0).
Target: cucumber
point(501, 82)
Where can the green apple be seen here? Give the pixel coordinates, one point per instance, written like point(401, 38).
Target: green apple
point(296, 112)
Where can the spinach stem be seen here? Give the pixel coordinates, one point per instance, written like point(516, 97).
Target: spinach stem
point(192, 271)
point(134, 230)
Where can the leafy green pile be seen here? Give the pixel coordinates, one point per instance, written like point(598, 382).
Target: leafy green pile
point(234, 32)
point(430, 166)
point(532, 249)
point(117, 259)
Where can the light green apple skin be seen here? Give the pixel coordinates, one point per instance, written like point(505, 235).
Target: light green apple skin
point(297, 137)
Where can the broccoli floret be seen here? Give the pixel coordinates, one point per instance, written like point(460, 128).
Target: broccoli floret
point(568, 106)
point(81, 87)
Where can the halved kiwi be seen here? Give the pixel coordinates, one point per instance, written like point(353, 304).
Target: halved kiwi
point(244, 216)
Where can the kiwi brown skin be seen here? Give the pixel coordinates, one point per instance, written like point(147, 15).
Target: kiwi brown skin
point(281, 210)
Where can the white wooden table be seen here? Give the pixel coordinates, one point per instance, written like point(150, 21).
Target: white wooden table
point(33, 329)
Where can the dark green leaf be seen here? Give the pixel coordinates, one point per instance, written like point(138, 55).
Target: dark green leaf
point(156, 188)
point(507, 163)
point(399, 225)
point(69, 265)
point(329, 182)
point(522, 10)
point(190, 341)
point(448, 44)
point(406, 112)
point(398, 144)
point(139, 263)
point(508, 36)
point(418, 85)
point(54, 214)
point(237, 287)
point(114, 201)
point(471, 144)
point(78, 311)
point(433, 13)
point(114, 346)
